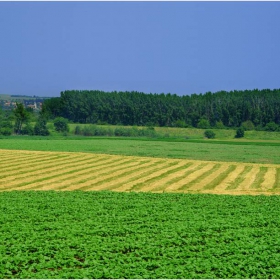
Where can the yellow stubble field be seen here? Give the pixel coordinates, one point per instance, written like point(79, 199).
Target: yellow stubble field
point(62, 171)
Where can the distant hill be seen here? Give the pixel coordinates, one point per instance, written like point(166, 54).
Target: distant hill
point(21, 97)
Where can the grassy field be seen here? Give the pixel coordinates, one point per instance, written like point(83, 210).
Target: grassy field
point(237, 151)
point(192, 133)
point(30, 170)
point(106, 235)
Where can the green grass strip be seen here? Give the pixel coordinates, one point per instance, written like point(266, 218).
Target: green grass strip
point(276, 185)
point(240, 178)
point(200, 178)
point(259, 178)
point(213, 184)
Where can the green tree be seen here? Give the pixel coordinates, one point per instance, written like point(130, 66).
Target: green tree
point(21, 117)
point(40, 127)
point(61, 124)
point(240, 132)
point(6, 125)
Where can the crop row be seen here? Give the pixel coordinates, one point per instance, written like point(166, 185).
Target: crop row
point(113, 235)
point(29, 170)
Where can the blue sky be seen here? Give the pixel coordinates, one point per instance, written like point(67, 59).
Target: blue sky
point(157, 47)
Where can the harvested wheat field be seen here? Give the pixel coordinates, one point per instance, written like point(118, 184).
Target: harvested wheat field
point(30, 170)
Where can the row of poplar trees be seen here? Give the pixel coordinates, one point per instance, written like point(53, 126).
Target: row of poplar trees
point(229, 109)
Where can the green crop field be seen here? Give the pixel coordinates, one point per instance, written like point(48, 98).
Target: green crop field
point(138, 235)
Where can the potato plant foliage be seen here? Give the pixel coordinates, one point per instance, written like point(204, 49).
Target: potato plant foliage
point(138, 235)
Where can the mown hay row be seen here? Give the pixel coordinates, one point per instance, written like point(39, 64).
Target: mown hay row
point(81, 171)
point(61, 174)
point(38, 167)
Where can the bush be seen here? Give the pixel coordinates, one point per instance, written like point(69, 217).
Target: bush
point(180, 123)
point(248, 125)
point(240, 132)
point(203, 123)
point(61, 124)
point(220, 125)
point(5, 131)
point(271, 126)
point(209, 134)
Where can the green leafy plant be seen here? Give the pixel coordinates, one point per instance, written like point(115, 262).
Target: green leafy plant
point(138, 235)
point(240, 132)
point(61, 124)
point(210, 134)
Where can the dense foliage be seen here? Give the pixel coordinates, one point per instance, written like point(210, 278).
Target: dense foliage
point(138, 235)
point(61, 124)
point(209, 134)
point(254, 108)
point(94, 130)
point(6, 126)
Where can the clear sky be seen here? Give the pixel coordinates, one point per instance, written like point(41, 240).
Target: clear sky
point(157, 47)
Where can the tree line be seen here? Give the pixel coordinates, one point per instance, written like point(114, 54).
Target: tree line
point(251, 108)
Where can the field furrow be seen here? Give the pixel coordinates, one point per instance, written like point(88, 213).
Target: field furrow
point(36, 168)
point(249, 180)
point(63, 174)
point(269, 179)
point(130, 180)
point(157, 181)
point(95, 183)
point(230, 178)
point(208, 177)
point(240, 178)
point(180, 180)
point(276, 185)
point(52, 172)
point(128, 177)
point(173, 176)
point(216, 179)
point(21, 163)
point(101, 177)
point(30, 170)
point(197, 176)
point(144, 182)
